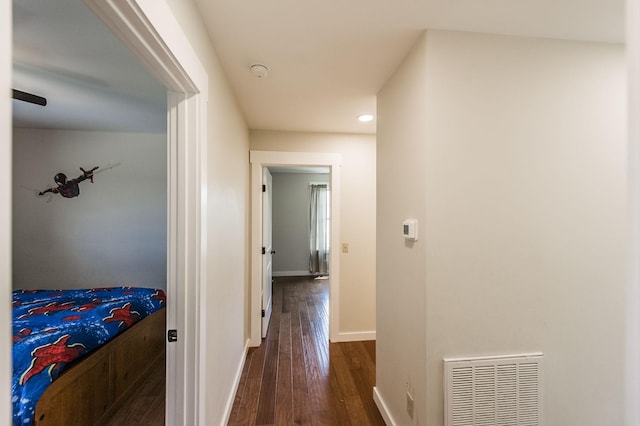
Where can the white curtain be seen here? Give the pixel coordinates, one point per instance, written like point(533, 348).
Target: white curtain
point(319, 229)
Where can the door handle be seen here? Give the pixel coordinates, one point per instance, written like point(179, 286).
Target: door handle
point(273, 252)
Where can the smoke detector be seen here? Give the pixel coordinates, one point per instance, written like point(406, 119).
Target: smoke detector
point(259, 70)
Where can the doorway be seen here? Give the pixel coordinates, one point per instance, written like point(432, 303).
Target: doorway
point(295, 236)
point(301, 221)
point(269, 159)
point(151, 32)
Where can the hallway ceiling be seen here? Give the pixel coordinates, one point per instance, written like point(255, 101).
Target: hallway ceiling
point(327, 59)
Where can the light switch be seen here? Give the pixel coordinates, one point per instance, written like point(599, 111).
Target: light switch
point(345, 247)
point(410, 229)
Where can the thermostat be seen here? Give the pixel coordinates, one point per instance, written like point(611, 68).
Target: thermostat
point(410, 229)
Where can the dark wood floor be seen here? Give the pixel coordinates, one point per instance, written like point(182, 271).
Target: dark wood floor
point(146, 407)
point(296, 376)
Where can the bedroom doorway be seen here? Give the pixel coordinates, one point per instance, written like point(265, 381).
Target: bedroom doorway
point(103, 245)
point(275, 160)
point(149, 29)
point(295, 227)
point(301, 221)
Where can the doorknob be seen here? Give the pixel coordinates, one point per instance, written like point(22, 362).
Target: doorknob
point(273, 252)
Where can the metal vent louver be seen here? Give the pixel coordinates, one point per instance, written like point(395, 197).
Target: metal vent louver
point(494, 391)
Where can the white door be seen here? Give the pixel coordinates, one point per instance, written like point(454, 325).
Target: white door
point(267, 250)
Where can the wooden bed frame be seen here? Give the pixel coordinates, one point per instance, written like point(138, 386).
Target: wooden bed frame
point(90, 391)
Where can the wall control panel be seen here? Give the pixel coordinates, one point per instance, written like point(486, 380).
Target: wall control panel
point(410, 229)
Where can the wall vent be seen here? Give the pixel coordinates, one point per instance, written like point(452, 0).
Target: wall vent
point(494, 391)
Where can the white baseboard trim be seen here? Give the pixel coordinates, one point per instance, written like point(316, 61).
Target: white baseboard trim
point(236, 383)
point(356, 336)
point(291, 273)
point(382, 407)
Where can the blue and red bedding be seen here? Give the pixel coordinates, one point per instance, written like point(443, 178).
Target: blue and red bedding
point(52, 328)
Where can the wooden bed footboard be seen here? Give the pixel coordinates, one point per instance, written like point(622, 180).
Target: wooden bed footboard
point(91, 391)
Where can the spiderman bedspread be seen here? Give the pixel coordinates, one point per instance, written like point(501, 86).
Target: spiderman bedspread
point(51, 328)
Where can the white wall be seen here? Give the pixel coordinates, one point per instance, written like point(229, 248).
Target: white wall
point(357, 220)
point(523, 148)
point(400, 265)
point(114, 233)
point(227, 281)
point(291, 221)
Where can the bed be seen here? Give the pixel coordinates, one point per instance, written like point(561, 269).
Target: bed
point(78, 353)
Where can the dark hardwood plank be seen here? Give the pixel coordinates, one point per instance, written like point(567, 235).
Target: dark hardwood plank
point(147, 405)
point(267, 400)
point(356, 354)
point(245, 412)
point(301, 405)
point(338, 411)
point(284, 388)
point(242, 385)
point(296, 376)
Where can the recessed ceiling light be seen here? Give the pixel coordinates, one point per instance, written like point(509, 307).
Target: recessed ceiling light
point(365, 117)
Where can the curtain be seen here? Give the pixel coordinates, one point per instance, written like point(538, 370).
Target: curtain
point(319, 229)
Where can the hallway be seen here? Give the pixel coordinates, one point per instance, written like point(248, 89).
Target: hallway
point(296, 376)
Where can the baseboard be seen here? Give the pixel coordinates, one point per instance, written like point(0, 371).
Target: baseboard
point(291, 273)
point(236, 383)
point(356, 336)
point(382, 407)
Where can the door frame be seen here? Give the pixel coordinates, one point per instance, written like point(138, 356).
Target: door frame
point(267, 255)
point(632, 289)
point(6, 164)
point(149, 29)
point(259, 160)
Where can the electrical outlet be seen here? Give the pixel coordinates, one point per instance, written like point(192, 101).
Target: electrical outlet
point(410, 405)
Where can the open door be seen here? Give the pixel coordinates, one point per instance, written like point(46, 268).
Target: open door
point(259, 160)
point(267, 249)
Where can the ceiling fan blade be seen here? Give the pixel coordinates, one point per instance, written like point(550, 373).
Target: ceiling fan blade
point(29, 97)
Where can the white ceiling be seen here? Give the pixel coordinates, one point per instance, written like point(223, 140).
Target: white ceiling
point(63, 52)
point(327, 59)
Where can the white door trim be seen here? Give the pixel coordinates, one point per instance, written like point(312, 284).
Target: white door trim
point(632, 293)
point(150, 30)
point(267, 245)
point(6, 162)
point(258, 160)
